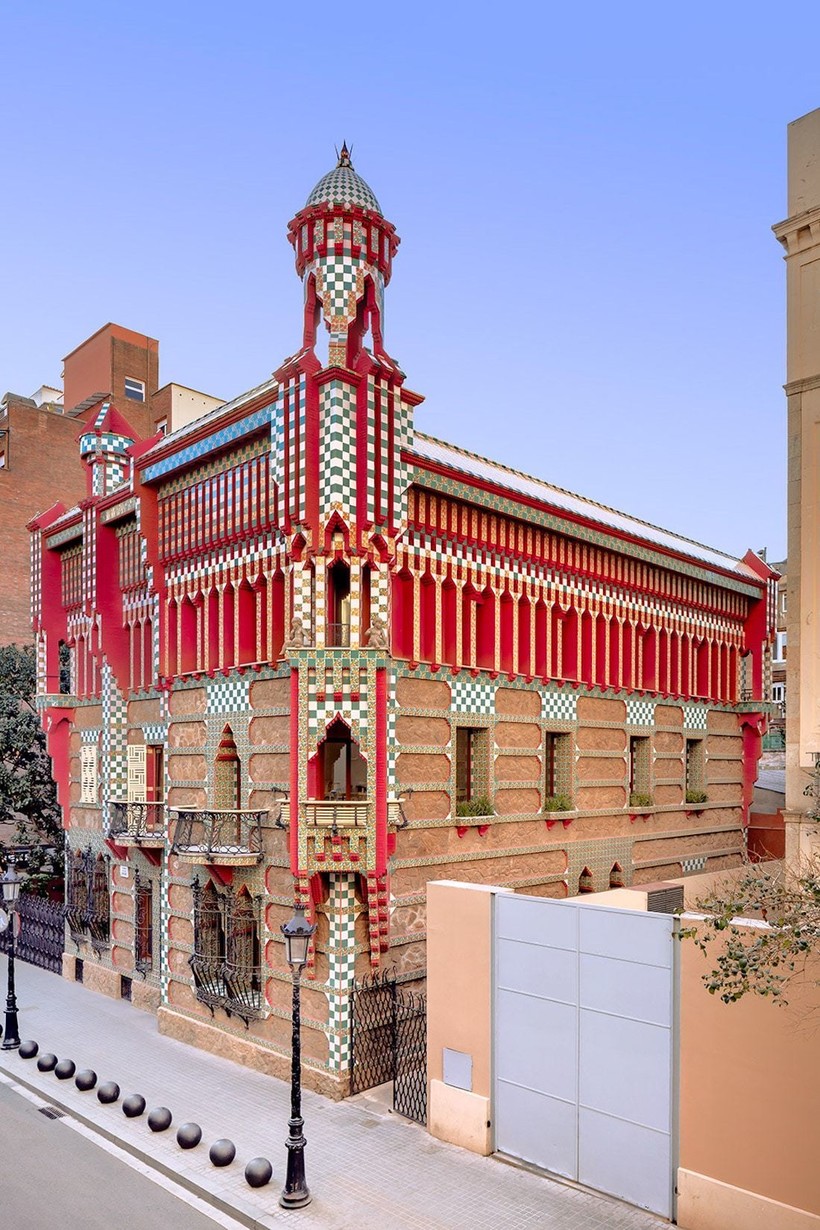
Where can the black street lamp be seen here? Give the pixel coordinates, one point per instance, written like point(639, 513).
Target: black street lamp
point(11, 882)
point(295, 1195)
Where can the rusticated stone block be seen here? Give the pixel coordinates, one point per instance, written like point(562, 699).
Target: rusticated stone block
point(417, 768)
point(144, 711)
point(517, 768)
point(265, 730)
point(422, 693)
point(187, 734)
point(596, 709)
point(422, 731)
point(270, 693)
point(594, 769)
point(517, 734)
point(517, 702)
point(187, 700)
point(270, 767)
point(511, 802)
point(186, 768)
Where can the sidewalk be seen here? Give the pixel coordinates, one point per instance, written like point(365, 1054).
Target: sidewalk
point(365, 1168)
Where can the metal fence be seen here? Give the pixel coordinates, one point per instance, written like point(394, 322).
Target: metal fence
point(42, 933)
point(389, 1043)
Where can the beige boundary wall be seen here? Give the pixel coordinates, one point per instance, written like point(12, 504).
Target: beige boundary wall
point(749, 1072)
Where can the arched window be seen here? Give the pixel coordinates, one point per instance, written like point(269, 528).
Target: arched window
point(616, 876)
point(586, 883)
point(338, 605)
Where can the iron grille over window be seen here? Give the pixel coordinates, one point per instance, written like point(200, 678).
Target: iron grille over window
point(143, 924)
point(88, 901)
point(226, 961)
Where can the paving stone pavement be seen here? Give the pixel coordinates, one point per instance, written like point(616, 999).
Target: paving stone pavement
point(366, 1168)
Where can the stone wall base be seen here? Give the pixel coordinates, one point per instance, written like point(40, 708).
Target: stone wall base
point(209, 1038)
point(705, 1203)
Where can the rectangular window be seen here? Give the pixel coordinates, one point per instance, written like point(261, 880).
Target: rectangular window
point(557, 771)
point(779, 693)
point(779, 647)
point(161, 426)
point(695, 771)
point(88, 773)
point(472, 770)
point(226, 961)
point(144, 926)
point(640, 771)
point(134, 389)
point(2, 459)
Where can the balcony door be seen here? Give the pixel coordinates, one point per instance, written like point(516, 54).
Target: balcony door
point(342, 768)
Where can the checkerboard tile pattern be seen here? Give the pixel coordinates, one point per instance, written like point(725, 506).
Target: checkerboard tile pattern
point(558, 706)
point(218, 440)
point(321, 713)
point(341, 952)
point(227, 696)
point(472, 696)
point(690, 866)
point(640, 712)
point(694, 717)
point(343, 186)
point(338, 448)
point(339, 284)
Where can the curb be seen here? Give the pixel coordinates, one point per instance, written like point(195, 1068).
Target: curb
point(247, 1217)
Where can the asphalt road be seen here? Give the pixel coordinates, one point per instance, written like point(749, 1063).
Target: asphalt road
point(52, 1176)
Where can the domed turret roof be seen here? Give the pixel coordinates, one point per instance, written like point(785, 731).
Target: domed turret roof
point(342, 186)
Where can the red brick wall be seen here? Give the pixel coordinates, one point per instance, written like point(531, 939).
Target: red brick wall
point(101, 363)
point(42, 466)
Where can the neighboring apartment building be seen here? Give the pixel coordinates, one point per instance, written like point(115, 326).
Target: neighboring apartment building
point(777, 728)
point(800, 236)
point(316, 653)
point(39, 459)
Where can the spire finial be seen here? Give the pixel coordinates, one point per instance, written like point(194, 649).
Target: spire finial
point(344, 156)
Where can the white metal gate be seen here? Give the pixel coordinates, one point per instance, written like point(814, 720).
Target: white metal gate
point(585, 1034)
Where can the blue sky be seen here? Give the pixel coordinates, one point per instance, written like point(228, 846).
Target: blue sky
point(587, 287)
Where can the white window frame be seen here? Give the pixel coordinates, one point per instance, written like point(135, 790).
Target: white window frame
point(136, 385)
point(89, 779)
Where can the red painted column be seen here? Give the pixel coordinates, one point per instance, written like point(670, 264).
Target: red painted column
point(381, 771)
point(294, 771)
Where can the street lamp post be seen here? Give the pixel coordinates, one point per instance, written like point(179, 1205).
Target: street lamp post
point(11, 882)
point(295, 1195)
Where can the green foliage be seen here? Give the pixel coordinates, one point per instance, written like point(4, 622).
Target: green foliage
point(696, 796)
point(765, 928)
point(636, 799)
point(558, 802)
point(28, 795)
point(481, 806)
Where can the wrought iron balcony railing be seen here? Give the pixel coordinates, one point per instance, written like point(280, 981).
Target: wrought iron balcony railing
point(214, 836)
point(140, 823)
point(338, 636)
point(222, 984)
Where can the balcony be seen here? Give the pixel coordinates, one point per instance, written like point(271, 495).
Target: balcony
point(228, 838)
point(338, 636)
point(336, 813)
point(138, 824)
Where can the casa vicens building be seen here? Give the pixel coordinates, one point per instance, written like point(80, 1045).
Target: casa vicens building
point(317, 654)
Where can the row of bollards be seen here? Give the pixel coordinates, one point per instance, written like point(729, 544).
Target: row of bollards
point(258, 1171)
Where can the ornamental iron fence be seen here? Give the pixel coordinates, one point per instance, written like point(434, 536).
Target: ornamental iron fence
point(388, 1042)
point(42, 933)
